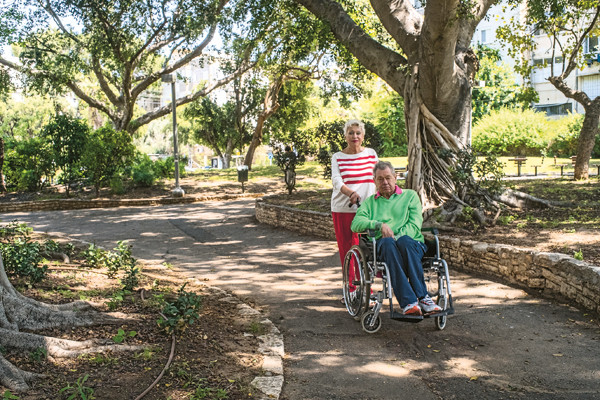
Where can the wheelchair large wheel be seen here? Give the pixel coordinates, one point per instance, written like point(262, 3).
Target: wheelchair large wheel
point(356, 278)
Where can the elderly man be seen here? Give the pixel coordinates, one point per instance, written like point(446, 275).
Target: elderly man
point(396, 215)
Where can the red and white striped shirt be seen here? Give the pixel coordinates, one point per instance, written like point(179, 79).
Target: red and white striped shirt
point(354, 171)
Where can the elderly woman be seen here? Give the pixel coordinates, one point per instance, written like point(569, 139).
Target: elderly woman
point(352, 177)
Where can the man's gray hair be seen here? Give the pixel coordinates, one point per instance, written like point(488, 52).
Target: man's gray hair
point(381, 165)
point(352, 122)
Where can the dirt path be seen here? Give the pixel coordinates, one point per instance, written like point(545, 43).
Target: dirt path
point(501, 343)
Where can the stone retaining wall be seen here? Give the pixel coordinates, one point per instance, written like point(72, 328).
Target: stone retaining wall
point(553, 275)
point(75, 204)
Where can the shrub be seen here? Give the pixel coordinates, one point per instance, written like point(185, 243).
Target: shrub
point(67, 137)
point(22, 258)
point(27, 165)
point(107, 153)
point(143, 171)
point(509, 132)
point(178, 315)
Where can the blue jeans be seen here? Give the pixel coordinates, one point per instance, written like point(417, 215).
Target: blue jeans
point(403, 258)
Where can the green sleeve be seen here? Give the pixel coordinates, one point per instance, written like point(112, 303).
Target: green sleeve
point(415, 219)
point(362, 220)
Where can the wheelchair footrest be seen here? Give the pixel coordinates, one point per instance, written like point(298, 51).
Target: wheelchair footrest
point(448, 311)
point(406, 318)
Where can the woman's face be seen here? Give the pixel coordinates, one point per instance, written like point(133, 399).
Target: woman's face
point(354, 136)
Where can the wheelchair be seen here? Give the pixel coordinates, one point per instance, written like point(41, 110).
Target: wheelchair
point(365, 304)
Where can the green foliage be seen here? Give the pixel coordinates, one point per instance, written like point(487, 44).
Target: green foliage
point(38, 354)
point(7, 395)
point(176, 316)
point(330, 139)
point(490, 172)
point(578, 255)
point(566, 136)
point(500, 90)
point(122, 335)
point(22, 257)
point(202, 393)
point(107, 153)
point(119, 259)
point(27, 165)
point(392, 127)
point(78, 391)
point(511, 133)
point(117, 298)
point(67, 137)
point(143, 171)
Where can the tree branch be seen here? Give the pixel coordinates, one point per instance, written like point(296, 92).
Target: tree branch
point(379, 59)
point(401, 21)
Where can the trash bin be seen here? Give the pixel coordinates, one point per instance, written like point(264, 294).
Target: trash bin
point(242, 173)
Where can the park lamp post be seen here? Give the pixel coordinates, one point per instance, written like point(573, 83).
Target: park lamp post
point(178, 191)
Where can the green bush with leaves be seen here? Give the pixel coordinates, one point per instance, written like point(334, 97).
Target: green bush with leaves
point(67, 136)
point(176, 316)
point(142, 172)
point(509, 133)
point(107, 153)
point(165, 168)
point(21, 256)
point(27, 165)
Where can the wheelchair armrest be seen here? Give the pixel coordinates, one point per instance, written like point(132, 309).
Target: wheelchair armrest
point(432, 230)
point(369, 232)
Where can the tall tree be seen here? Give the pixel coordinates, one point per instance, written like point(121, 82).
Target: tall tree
point(567, 24)
point(427, 58)
point(109, 53)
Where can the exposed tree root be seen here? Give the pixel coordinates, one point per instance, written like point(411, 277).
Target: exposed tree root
point(18, 313)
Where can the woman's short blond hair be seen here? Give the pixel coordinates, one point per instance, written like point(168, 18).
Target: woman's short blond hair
point(352, 122)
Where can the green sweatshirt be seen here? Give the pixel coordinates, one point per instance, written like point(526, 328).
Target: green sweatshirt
point(401, 212)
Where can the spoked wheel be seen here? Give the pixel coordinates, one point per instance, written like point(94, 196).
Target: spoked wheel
point(370, 324)
point(431, 280)
point(356, 282)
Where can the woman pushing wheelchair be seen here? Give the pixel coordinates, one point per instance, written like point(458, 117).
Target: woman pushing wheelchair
point(396, 215)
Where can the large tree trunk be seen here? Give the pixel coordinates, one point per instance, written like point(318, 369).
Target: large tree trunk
point(587, 140)
point(429, 137)
point(18, 313)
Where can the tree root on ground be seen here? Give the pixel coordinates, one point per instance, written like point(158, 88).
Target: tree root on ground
point(18, 313)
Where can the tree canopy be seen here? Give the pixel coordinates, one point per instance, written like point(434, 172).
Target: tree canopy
point(109, 53)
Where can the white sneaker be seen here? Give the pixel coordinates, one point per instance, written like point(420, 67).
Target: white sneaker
point(428, 305)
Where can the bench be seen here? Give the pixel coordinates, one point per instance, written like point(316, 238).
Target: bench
point(598, 167)
point(573, 159)
point(519, 161)
point(562, 166)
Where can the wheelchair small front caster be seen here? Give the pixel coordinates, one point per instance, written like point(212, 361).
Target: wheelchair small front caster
point(369, 323)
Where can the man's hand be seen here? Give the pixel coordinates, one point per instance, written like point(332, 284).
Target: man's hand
point(386, 231)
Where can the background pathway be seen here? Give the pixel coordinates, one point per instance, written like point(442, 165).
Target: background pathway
point(502, 343)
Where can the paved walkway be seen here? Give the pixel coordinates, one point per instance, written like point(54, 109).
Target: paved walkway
point(501, 343)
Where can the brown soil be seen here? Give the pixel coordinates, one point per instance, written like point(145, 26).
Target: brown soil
point(215, 357)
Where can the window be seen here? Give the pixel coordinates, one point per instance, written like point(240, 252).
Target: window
point(484, 36)
point(590, 45)
point(554, 109)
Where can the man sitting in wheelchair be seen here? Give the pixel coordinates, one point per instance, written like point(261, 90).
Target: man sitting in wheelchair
point(396, 215)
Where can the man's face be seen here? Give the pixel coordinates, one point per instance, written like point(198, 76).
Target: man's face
point(385, 181)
